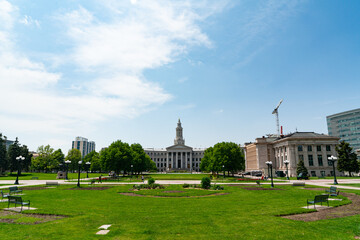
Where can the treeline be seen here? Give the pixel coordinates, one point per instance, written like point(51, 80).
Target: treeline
point(8, 161)
point(224, 156)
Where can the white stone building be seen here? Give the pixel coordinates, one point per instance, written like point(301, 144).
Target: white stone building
point(312, 147)
point(178, 156)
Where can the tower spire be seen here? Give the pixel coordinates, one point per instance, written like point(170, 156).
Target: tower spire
point(179, 135)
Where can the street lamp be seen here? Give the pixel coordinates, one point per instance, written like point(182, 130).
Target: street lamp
point(269, 163)
point(287, 170)
point(19, 159)
point(67, 162)
point(132, 169)
point(80, 162)
point(333, 160)
point(224, 171)
point(87, 169)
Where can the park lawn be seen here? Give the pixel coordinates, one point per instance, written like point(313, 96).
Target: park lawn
point(45, 176)
point(349, 184)
point(242, 214)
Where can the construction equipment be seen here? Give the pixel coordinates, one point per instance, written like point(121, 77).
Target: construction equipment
point(276, 112)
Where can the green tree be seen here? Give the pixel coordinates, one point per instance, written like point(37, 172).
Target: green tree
point(74, 155)
point(27, 161)
point(117, 157)
point(3, 154)
point(347, 159)
point(301, 168)
point(43, 162)
point(14, 152)
point(94, 158)
point(150, 165)
point(58, 158)
point(139, 159)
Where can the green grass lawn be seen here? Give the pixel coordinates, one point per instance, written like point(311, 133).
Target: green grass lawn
point(45, 176)
point(350, 184)
point(242, 214)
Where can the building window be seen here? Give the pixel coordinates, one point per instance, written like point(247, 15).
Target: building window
point(300, 148)
point(332, 173)
point(311, 160)
point(322, 173)
point(328, 148)
point(318, 148)
point(329, 162)
point(313, 173)
point(309, 148)
point(301, 157)
point(320, 160)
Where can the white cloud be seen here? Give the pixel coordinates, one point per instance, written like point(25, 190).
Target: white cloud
point(28, 21)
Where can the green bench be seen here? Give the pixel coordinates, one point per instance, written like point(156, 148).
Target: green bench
point(52, 183)
point(318, 199)
point(332, 191)
point(4, 195)
point(14, 190)
point(17, 200)
point(35, 178)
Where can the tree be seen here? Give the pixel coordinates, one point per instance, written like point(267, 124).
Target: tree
point(13, 153)
point(57, 158)
point(45, 160)
point(3, 154)
point(347, 159)
point(94, 158)
point(139, 159)
point(301, 168)
point(224, 156)
point(27, 161)
point(117, 157)
point(74, 155)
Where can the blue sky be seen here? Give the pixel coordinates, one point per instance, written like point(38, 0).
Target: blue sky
point(109, 70)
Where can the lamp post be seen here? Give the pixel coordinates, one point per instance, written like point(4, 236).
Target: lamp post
point(287, 170)
point(224, 171)
point(67, 162)
point(132, 169)
point(87, 169)
point(269, 163)
point(78, 184)
point(19, 159)
point(333, 160)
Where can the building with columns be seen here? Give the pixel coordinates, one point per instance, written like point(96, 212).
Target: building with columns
point(311, 147)
point(178, 156)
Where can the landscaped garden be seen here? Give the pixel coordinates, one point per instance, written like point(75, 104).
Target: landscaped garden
point(174, 212)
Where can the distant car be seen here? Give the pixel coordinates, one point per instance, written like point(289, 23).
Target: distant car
point(246, 173)
point(302, 177)
point(258, 174)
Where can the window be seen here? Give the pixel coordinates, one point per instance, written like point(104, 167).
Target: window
point(322, 173)
point(309, 148)
point(311, 160)
point(301, 157)
point(320, 160)
point(328, 148)
point(300, 148)
point(313, 173)
point(329, 162)
point(318, 148)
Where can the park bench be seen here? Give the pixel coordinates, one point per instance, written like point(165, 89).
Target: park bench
point(332, 191)
point(297, 184)
point(92, 182)
point(14, 190)
point(4, 195)
point(17, 200)
point(318, 199)
point(35, 178)
point(52, 183)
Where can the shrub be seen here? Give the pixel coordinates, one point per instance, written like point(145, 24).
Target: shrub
point(205, 182)
point(185, 185)
point(218, 187)
point(151, 181)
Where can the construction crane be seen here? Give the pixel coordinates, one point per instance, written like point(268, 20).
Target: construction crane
point(276, 112)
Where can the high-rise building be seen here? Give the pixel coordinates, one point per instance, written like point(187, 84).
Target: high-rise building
point(346, 126)
point(83, 145)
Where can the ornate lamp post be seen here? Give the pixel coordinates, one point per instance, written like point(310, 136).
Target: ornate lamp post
point(87, 169)
point(269, 163)
point(78, 184)
point(67, 162)
point(333, 160)
point(19, 159)
point(287, 170)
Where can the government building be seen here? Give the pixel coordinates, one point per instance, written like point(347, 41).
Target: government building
point(313, 148)
point(177, 157)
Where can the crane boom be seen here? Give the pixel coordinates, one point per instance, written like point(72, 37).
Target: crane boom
point(276, 112)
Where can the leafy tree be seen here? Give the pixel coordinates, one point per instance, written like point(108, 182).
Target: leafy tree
point(150, 164)
point(74, 155)
point(227, 154)
point(139, 159)
point(45, 160)
point(301, 168)
point(3, 154)
point(27, 161)
point(118, 157)
point(347, 159)
point(14, 152)
point(94, 158)
point(58, 158)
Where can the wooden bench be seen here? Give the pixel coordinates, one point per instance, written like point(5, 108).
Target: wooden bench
point(52, 183)
point(17, 200)
point(14, 190)
point(318, 199)
point(4, 195)
point(299, 184)
point(332, 191)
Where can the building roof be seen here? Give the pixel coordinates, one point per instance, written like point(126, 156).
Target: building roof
point(306, 135)
point(344, 113)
